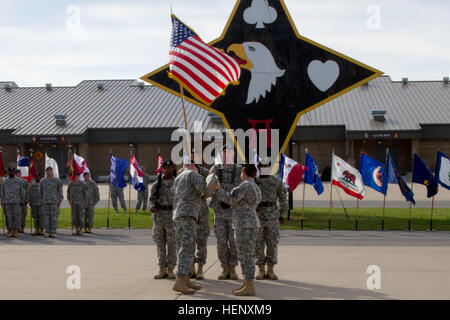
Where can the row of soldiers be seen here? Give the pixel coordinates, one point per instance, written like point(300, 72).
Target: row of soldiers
point(246, 221)
point(44, 196)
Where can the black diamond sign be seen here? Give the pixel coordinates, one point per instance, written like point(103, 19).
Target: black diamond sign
point(284, 74)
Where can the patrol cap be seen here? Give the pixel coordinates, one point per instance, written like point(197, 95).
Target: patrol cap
point(11, 169)
point(86, 174)
point(48, 168)
point(168, 163)
point(18, 171)
point(77, 174)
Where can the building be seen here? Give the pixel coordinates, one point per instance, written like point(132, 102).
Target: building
point(97, 117)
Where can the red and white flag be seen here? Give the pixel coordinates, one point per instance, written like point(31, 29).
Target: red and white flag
point(291, 172)
point(160, 164)
point(2, 166)
point(79, 164)
point(347, 178)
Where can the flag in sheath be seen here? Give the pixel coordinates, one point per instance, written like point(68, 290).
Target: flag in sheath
point(136, 175)
point(347, 178)
point(291, 172)
point(393, 176)
point(443, 170)
point(373, 174)
point(312, 175)
point(423, 175)
point(49, 162)
point(33, 171)
point(118, 167)
point(23, 165)
point(201, 69)
point(2, 166)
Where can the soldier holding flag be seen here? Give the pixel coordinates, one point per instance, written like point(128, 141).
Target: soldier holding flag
point(77, 196)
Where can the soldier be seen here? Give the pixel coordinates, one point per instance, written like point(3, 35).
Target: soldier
point(245, 199)
point(161, 206)
point(143, 195)
point(117, 192)
point(270, 217)
point(92, 198)
point(13, 197)
point(229, 177)
point(51, 198)
point(34, 198)
point(189, 188)
point(76, 194)
point(24, 206)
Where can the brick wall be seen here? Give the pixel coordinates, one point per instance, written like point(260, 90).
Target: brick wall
point(429, 148)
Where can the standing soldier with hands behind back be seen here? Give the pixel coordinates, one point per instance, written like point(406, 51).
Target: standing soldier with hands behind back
point(13, 197)
point(51, 198)
point(23, 206)
point(270, 217)
point(36, 207)
point(92, 198)
point(76, 194)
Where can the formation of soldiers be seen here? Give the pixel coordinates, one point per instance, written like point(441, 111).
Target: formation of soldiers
point(248, 212)
point(44, 196)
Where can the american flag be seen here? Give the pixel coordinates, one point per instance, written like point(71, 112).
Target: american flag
point(201, 69)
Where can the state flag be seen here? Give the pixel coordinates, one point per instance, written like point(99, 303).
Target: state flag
point(443, 170)
point(347, 178)
point(373, 174)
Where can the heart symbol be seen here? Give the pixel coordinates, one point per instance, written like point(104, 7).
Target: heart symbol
point(323, 75)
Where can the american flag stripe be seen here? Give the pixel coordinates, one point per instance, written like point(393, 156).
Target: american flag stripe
point(202, 69)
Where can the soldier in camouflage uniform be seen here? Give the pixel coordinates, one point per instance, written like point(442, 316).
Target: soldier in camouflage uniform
point(244, 200)
point(229, 178)
point(161, 206)
point(92, 198)
point(51, 198)
point(117, 192)
point(143, 195)
point(12, 197)
point(24, 206)
point(189, 188)
point(270, 217)
point(34, 198)
point(77, 196)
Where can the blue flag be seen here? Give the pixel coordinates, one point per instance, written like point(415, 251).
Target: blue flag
point(393, 176)
point(118, 167)
point(443, 170)
point(373, 174)
point(423, 175)
point(312, 175)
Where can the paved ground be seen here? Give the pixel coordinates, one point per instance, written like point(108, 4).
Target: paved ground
point(120, 264)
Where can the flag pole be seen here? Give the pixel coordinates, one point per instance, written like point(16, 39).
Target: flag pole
point(73, 173)
point(410, 208)
point(384, 198)
point(188, 136)
point(331, 192)
point(129, 198)
point(109, 192)
point(357, 214)
point(31, 191)
point(304, 191)
point(3, 210)
point(431, 216)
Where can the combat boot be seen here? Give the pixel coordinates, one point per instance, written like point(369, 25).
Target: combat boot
point(180, 286)
point(170, 273)
point(247, 290)
point(22, 230)
point(89, 230)
point(190, 284)
point(16, 233)
point(242, 286)
point(162, 273)
point(200, 275)
point(41, 231)
point(261, 272)
point(47, 235)
point(270, 274)
point(233, 274)
point(10, 233)
point(224, 274)
point(193, 274)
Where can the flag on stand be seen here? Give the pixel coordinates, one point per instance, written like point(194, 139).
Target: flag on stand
point(393, 176)
point(291, 172)
point(423, 175)
point(33, 171)
point(23, 165)
point(49, 162)
point(442, 170)
point(312, 174)
point(136, 174)
point(201, 69)
point(160, 165)
point(347, 178)
point(2, 166)
point(373, 174)
point(117, 170)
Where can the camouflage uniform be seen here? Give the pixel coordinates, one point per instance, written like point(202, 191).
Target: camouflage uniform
point(13, 195)
point(117, 193)
point(76, 194)
point(163, 227)
point(244, 199)
point(189, 188)
point(223, 226)
point(92, 198)
point(143, 195)
point(203, 230)
point(51, 195)
point(34, 198)
point(24, 206)
point(272, 189)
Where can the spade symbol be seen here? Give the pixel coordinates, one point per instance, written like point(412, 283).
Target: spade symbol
point(260, 13)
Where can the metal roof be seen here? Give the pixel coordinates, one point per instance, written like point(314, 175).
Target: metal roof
point(122, 104)
point(408, 106)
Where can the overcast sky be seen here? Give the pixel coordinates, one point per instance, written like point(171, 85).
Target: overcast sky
point(42, 41)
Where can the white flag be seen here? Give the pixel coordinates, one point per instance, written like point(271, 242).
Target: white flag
point(347, 178)
point(443, 170)
point(49, 162)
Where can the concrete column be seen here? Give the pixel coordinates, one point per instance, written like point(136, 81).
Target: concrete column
point(350, 152)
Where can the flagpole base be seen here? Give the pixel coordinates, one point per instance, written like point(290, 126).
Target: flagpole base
point(356, 225)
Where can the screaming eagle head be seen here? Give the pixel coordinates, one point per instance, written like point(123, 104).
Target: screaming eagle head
point(256, 58)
